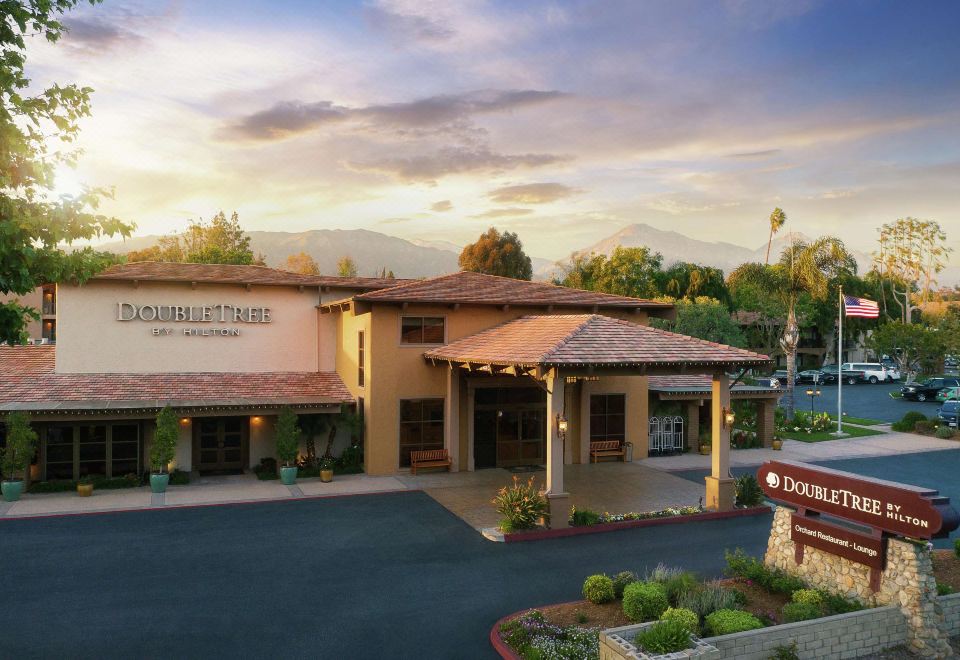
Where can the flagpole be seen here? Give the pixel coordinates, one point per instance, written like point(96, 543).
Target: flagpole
point(840, 366)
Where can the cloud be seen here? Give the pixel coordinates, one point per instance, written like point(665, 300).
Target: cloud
point(503, 213)
point(531, 193)
point(441, 206)
point(415, 27)
point(766, 153)
point(97, 34)
point(454, 160)
point(287, 118)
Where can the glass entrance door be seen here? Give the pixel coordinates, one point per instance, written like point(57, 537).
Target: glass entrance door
point(509, 427)
point(220, 443)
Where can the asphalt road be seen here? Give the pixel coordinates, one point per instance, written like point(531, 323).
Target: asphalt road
point(392, 575)
point(863, 400)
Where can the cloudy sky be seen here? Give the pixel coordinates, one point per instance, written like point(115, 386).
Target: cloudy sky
point(563, 121)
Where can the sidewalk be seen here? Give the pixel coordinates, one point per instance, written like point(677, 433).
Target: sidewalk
point(888, 444)
point(205, 490)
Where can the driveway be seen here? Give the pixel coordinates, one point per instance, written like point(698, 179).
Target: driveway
point(393, 575)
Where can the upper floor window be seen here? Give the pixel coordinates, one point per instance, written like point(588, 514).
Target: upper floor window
point(360, 361)
point(422, 330)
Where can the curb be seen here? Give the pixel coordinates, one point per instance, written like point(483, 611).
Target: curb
point(543, 534)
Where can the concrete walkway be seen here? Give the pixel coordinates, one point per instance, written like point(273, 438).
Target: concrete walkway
point(887, 444)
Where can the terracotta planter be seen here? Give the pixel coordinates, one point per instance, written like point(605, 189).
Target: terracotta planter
point(777, 444)
point(326, 476)
point(84, 490)
point(705, 450)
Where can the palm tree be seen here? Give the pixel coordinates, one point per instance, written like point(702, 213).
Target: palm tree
point(777, 219)
point(802, 270)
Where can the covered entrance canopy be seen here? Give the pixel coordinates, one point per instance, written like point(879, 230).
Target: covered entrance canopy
point(559, 350)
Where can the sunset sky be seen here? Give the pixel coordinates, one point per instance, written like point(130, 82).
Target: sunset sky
point(563, 121)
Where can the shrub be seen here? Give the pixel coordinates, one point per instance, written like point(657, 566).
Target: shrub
point(808, 597)
point(687, 618)
point(727, 622)
point(287, 436)
point(944, 589)
point(837, 604)
point(179, 478)
point(164, 446)
point(786, 652)
point(944, 433)
point(925, 427)
point(621, 580)
point(801, 612)
point(644, 601)
point(520, 504)
point(21, 445)
point(598, 589)
point(956, 548)
point(266, 469)
point(532, 637)
point(662, 573)
point(743, 566)
point(583, 517)
point(664, 637)
point(908, 422)
point(748, 490)
point(708, 599)
point(680, 584)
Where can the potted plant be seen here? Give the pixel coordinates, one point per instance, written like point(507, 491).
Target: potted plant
point(85, 486)
point(288, 441)
point(326, 470)
point(21, 446)
point(705, 447)
point(777, 443)
point(163, 450)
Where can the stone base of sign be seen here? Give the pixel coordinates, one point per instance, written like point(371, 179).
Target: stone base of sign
point(907, 582)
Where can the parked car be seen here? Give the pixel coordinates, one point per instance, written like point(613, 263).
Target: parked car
point(948, 394)
point(949, 413)
point(817, 376)
point(875, 372)
point(928, 389)
point(781, 376)
point(850, 376)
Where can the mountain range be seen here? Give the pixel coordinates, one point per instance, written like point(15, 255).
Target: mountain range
point(372, 250)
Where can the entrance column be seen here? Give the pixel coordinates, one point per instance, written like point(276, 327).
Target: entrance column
point(720, 487)
point(556, 496)
point(451, 417)
point(693, 424)
point(765, 421)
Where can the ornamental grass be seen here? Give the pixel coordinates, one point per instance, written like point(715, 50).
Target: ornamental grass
point(521, 504)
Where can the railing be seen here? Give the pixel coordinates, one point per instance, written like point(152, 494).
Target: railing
point(666, 434)
point(49, 308)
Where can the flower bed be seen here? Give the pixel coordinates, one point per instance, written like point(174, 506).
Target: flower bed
point(752, 597)
point(585, 517)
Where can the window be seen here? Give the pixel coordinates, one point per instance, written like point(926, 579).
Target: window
point(421, 330)
point(421, 426)
point(75, 451)
point(360, 361)
point(607, 417)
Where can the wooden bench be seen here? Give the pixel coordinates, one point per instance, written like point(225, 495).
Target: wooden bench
point(429, 458)
point(606, 448)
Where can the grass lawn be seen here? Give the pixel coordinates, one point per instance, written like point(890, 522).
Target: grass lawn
point(852, 431)
point(861, 421)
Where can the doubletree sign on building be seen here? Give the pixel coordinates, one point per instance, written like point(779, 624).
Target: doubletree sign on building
point(207, 314)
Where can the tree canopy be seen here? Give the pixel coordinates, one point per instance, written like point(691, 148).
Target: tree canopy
point(497, 254)
point(912, 253)
point(705, 318)
point(302, 263)
point(912, 345)
point(37, 132)
point(220, 241)
point(346, 267)
point(626, 272)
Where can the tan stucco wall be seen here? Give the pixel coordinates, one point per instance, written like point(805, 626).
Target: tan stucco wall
point(398, 371)
point(91, 339)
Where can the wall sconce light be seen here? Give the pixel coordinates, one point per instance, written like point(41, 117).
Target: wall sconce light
point(561, 425)
point(256, 419)
point(184, 420)
point(729, 417)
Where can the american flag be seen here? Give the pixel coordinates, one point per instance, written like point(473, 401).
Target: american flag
point(861, 307)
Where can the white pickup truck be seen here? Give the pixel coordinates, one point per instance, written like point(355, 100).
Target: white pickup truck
point(873, 372)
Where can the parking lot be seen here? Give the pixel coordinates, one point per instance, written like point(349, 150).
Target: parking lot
point(863, 400)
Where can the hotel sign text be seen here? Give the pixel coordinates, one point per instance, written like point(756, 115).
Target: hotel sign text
point(211, 314)
point(891, 507)
point(841, 541)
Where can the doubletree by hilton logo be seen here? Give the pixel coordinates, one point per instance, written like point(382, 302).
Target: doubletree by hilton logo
point(205, 314)
point(773, 480)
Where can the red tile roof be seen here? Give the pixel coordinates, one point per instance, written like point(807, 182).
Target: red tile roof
point(479, 289)
point(156, 271)
point(29, 382)
point(700, 383)
point(589, 339)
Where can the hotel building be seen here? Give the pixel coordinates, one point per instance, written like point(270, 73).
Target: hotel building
point(496, 371)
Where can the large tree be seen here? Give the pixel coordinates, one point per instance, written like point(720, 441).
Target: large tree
point(626, 272)
point(346, 267)
point(497, 254)
point(912, 345)
point(912, 252)
point(220, 241)
point(689, 281)
point(705, 318)
point(803, 270)
point(302, 263)
point(37, 131)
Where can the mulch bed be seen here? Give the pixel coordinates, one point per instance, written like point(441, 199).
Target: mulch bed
point(946, 568)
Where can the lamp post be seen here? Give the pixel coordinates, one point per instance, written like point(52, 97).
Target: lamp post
point(813, 394)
